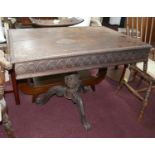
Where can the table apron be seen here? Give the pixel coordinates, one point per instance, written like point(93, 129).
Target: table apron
point(59, 65)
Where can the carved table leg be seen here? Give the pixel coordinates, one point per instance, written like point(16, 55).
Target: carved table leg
point(73, 85)
point(58, 90)
point(78, 100)
point(5, 120)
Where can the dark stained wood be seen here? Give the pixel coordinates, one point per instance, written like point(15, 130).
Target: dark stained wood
point(41, 52)
point(40, 85)
point(50, 51)
point(15, 86)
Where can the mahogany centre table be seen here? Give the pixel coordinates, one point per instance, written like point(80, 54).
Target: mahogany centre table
point(49, 51)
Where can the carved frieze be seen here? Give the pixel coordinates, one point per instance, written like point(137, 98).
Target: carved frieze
point(76, 63)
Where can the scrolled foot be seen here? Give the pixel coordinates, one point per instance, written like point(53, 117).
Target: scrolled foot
point(58, 90)
point(43, 99)
point(40, 101)
point(86, 124)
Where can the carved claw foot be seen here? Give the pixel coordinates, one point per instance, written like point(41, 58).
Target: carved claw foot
point(78, 100)
point(39, 101)
point(59, 91)
point(86, 124)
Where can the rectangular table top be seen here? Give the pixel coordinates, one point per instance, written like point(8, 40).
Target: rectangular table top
point(45, 51)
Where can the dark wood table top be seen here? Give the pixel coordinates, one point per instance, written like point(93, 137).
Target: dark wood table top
point(37, 52)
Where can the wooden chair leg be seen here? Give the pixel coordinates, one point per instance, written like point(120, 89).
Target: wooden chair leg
point(140, 81)
point(122, 76)
point(134, 75)
point(145, 102)
point(121, 81)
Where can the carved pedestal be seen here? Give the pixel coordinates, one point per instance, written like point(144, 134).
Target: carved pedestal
point(70, 91)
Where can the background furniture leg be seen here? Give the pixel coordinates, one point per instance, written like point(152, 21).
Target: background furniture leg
point(5, 119)
point(15, 86)
point(4, 65)
point(145, 102)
